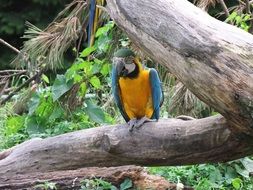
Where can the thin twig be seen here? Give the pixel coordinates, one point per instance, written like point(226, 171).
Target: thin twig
point(251, 21)
point(9, 90)
point(9, 45)
point(225, 8)
point(102, 8)
point(108, 102)
point(20, 87)
point(13, 75)
point(12, 71)
point(83, 34)
point(247, 6)
point(4, 88)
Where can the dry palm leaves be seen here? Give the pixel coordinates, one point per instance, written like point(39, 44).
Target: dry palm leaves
point(47, 46)
point(184, 102)
point(205, 4)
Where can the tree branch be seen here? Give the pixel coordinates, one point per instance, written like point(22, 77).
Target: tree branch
point(247, 6)
point(212, 59)
point(167, 142)
point(71, 179)
point(38, 74)
point(9, 46)
point(224, 7)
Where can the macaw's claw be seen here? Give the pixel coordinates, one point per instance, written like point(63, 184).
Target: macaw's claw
point(137, 123)
point(132, 123)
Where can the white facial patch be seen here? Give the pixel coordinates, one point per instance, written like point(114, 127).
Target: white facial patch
point(130, 67)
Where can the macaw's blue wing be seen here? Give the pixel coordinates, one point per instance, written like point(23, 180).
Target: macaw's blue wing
point(157, 94)
point(116, 94)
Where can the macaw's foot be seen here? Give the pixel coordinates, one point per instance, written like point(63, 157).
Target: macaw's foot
point(137, 123)
point(132, 124)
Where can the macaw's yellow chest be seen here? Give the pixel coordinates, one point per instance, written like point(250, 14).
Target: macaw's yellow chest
point(136, 95)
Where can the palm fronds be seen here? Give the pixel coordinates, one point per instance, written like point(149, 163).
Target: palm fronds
point(205, 4)
point(183, 101)
point(47, 46)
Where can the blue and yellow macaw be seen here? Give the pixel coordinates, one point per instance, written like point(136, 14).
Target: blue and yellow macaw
point(137, 90)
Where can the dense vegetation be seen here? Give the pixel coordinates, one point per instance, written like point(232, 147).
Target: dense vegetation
point(79, 96)
point(14, 14)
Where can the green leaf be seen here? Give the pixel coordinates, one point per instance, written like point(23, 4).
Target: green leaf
point(238, 20)
point(45, 78)
point(87, 51)
point(103, 43)
point(230, 174)
point(46, 107)
point(203, 184)
point(103, 30)
point(215, 175)
point(126, 184)
point(247, 163)
point(83, 89)
point(244, 26)
point(231, 16)
point(237, 183)
point(77, 78)
point(33, 103)
point(97, 61)
point(57, 113)
point(14, 124)
point(32, 126)
point(241, 171)
point(105, 69)
point(95, 113)
point(95, 82)
point(96, 69)
point(246, 17)
point(60, 86)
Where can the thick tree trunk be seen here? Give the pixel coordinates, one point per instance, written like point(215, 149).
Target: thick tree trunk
point(167, 142)
point(213, 59)
point(72, 179)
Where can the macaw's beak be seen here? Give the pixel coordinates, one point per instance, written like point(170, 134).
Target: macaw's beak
point(121, 69)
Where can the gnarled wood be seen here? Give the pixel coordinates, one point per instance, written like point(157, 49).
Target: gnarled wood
point(71, 179)
point(213, 59)
point(167, 142)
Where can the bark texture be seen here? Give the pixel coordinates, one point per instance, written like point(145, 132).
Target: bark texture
point(213, 59)
point(167, 142)
point(72, 179)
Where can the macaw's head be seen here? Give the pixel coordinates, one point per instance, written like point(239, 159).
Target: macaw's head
point(124, 61)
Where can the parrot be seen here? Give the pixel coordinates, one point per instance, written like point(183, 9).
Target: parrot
point(137, 90)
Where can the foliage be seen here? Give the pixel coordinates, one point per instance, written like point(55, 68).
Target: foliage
point(46, 47)
point(231, 175)
point(237, 13)
point(68, 102)
point(46, 186)
point(240, 20)
point(13, 15)
point(99, 184)
point(183, 102)
point(91, 184)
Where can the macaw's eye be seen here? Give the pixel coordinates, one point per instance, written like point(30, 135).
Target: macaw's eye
point(129, 60)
